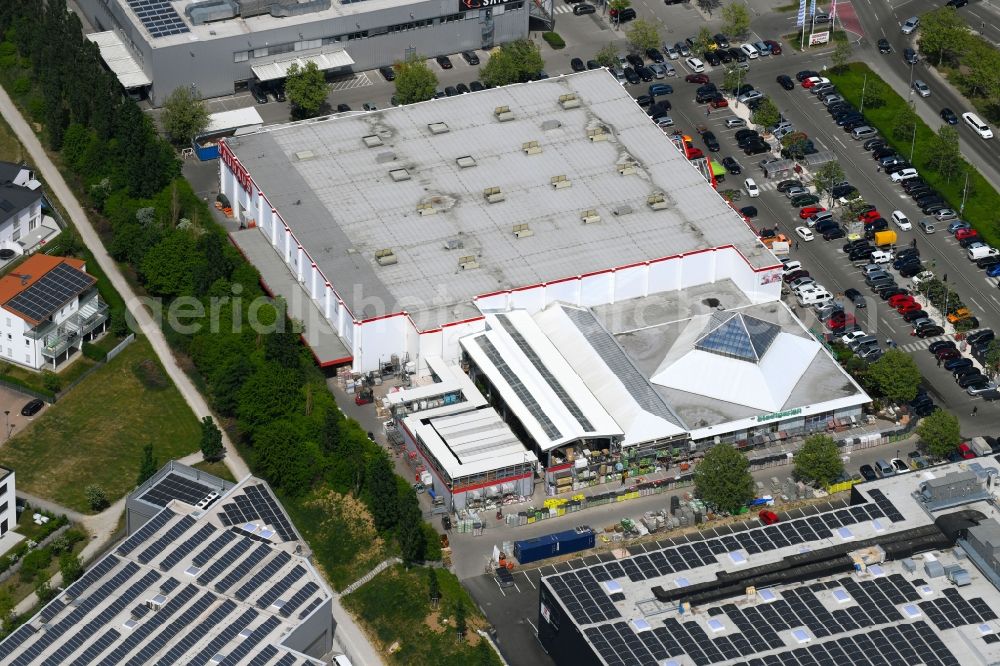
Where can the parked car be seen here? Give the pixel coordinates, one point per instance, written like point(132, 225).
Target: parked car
point(910, 25)
point(32, 407)
point(444, 62)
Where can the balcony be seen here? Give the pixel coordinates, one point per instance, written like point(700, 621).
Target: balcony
point(59, 338)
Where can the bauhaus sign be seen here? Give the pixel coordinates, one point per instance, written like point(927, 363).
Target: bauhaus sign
point(464, 5)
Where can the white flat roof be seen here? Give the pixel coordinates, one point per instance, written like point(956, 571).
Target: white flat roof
point(119, 59)
point(329, 59)
point(343, 205)
point(471, 442)
point(234, 119)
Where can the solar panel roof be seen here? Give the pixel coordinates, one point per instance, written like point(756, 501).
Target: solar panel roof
point(50, 292)
point(159, 17)
point(174, 486)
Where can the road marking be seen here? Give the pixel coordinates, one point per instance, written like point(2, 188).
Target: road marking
point(837, 139)
point(973, 301)
point(532, 625)
point(498, 586)
point(526, 577)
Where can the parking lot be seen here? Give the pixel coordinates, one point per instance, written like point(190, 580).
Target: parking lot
point(11, 404)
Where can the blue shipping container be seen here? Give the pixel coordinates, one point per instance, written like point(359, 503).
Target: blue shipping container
point(551, 545)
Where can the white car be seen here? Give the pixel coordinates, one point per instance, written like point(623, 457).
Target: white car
point(804, 233)
point(697, 66)
point(852, 336)
point(791, 267)
point(903, 175)
point(901, 221)
point(750, 51)
point(751, 187)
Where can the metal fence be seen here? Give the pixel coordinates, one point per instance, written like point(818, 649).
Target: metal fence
point(120, 347)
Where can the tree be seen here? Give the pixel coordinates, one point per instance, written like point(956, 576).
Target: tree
point(211, 440)
point(616, 7)
point(841, 56)
point(380, 491)
point(766, 114)
point(460, 623)
point(850, 212)
point(819, 459)
point(943, 35)
point(896, 375)
point(306, 89)
point(827, 176)
point(513, 62)
point(873, 93)
point(945, 154)
point(97, 499)
point(732, 78)
point(147, 465)
point(70, 567)
point(184, 115)
point(723, 478)
point(703, 41)
point(415, 82)
point(410, 532)
point(992, 357)
point(643, 35)
point(285, 458)
point(433, 585)
point(940, 433)
point(608, 55)
point(735, 19)
point(904, 123)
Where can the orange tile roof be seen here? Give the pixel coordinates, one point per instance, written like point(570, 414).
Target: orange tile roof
point(28, 273)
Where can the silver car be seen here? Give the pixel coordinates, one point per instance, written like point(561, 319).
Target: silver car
point(910, 25)
point(659, 71)
point(672, 52)
point(922, 88)
point(976, 389)
point(683, 49)
point(945, 214)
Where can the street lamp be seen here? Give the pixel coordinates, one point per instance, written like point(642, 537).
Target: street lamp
point(913, 141)
point(6, 416)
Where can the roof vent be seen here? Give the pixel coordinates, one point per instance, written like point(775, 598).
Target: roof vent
point(656, 201)
point(217, 658)
point(624, 209)
point(372, 140)
point(467, 263)
point(386, 156)
point(531, 148)
point(551, 125)
point(437, 128)
point(399, 175)
point(156, 603)
point(192, 571)
point(559, 182)
point(385, 257)
point(627, 166)
point(503, 113)
point(569, 101)
point(454, 244)
point(522, 231)
point(466, 161)
point(590, 216)
point(597, 134)
point(304, 155)
point(493, 194)
point(426, 209)
point(129, 623)
point(211, 497)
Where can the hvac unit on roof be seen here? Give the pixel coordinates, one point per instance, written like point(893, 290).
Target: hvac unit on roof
point(156, 603)
point(385, 257)
point(467, 263)
point(503, 113)
point(437, 128)
point(627, 166)
point(385, 156)
point(559, 182)
point(455, 243)
point(522, 231)
point(550, 124)
point(372, 140)
point(531, 148)
point(426, 209)
point(211, 497)
point(656, 201)
point(399, 175)
point(590, 216)
point(493, 194)
point(623, 209)
point(597, 134)
point(569, 101)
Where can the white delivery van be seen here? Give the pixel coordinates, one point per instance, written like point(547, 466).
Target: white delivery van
point(976, 253)
point(977, 125)
point(814, 297)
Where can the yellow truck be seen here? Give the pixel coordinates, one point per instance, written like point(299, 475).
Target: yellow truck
point(883, 238)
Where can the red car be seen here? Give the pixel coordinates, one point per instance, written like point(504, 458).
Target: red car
point(965, 451)
point(768, 517)
point(814, 80)
point(697, 78)
point(947, 353)
point(840, 321)
point(912, 306)
point(809, 211)
point(719, 103)
point(899, 299)
point(965, 233)
point(775, 46)
point(869, 215)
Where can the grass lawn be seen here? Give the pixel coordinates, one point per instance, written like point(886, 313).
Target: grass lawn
point(218, 469)
point(10, 147)
point(982, 206)
point(95, 434)
point(395, 609)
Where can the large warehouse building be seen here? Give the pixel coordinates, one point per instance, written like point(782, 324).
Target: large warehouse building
point(222, 46)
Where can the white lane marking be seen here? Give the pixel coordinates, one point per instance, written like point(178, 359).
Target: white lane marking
point(973, 301)
point(498, 586)
point(527, 578)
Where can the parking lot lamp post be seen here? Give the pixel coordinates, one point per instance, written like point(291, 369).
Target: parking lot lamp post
point(913, 142)
point(6, 417)
point(965, 193)
point(864, 85)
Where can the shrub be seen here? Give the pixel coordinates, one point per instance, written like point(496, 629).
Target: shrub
point(33, 563)
point(93, 352)
point(554, 40)
point(51, 381)
point(96, 497)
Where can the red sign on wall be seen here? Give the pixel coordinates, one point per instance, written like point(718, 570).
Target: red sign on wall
point(231, 161)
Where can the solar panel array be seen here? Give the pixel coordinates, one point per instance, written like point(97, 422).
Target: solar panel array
point(243, 568)
point(159, 17)
point(299, 598)
point(883, 502)
point(174, 486)
point(142, 631)
point(187, 619)
point(543, 370)
point(257, 506)
point(224, 637)
point(97, 647)
point(174, 533)
point(281, 587)
point(267, 654)
point(953, 610)
point(309, 608)
point(178, 553)
point(523, 394)
point(251, 641)
point(269, 571)
point(209, 551)
point(196, 633)
point(16, 640)
point(225, 561)
point(50, 292)
point(98, 572)
point(149, 529)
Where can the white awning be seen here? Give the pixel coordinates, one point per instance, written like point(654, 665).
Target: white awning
point(325, 61)
point(235, 119)
point(120, 60)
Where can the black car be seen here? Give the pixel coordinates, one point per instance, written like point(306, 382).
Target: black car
point(593, 64)
point(910, 56)
point(635, 60)
point(956, 363)
point(450, 91)
point(278, 90)
point(784, 185)
point(724, 56)
point(710, 141)
point(874, 144)
point(462, 88)
point(785, 82)
point(833, 234)
point(576, 64)
point(444, 62)
point(914, 184)
point(659, 108)
point(732, 166)
point(885, 151)
point(941, 344)
point(745, 132)
point(805, 74)
point(842, 191)
point(644, 100)
point(645, 73)
point(476, 86)
point(631, 76)
point(703, 97)
point(580, 10)
point(931, 331)
point(626, 14)
point(742, 90)
point(977, 377)
point(711, 58)
point(987, 262)
point(258, 93)
point(856, 297)
point(911, 317)
point(932, 208)
point(737, 55)
point(926, 409)
point(721, 41)
point(949, 116)
point(910, 270)
point(852, 125)
point(471, 57)
point(899, 262)
point(957, 3)
point(854, 119)
point(885, 293)
point(654, 55)
point(757, 148)
point(388, 73)
point(868, 473)
point(343, 108)
point(745, 141)
point(32, 408)
point(749, 212)
point(884, 46)
point(984, 335)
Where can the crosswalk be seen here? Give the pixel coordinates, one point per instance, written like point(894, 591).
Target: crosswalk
point(921, 343)
point(562, 9)
point(359, 80)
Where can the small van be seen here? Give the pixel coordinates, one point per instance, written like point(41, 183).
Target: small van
point(976, 253)
point(863, 132)
point(978, 126)
point(750, 50)
point(883, 468)
point(881, 257)
point(814, 297)
point(926, 226)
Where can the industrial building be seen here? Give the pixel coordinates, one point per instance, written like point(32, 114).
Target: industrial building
point(217, 576)
point(890, 577)
point(223, 46)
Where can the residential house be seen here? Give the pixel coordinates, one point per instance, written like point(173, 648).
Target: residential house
point(20, 206)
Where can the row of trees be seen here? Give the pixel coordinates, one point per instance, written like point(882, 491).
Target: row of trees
point(971, 62)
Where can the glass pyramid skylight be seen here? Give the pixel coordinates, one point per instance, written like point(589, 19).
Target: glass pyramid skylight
point(737, 335)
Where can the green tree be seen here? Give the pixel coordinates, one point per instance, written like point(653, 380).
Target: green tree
point(70, 567)
point(415, 82)
point(306, 89)
point(461, 625)
point(819, 459)
point(44, 591)
point(992, 357)
point(184, 115)
point(410, 532)
point(380, 492)
point(940, 433)
point(904, 123)
point(945, 154)
point(735, 19)
point(766, 113)
point(147, 465)
point(513, 62)
point(732, 78)
point(873, 93)
point(944, 35)
point(703, 42)
point(849, 213)
point(608, 55)
point(827, 176)
point(97, 499)
point(896, 375)
point(616, 7)
point(723, 478)
point(433, 584)
point(285, 458)
point(211, 440)
point(841, 56)
point(168, 268)
point(643, 34)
